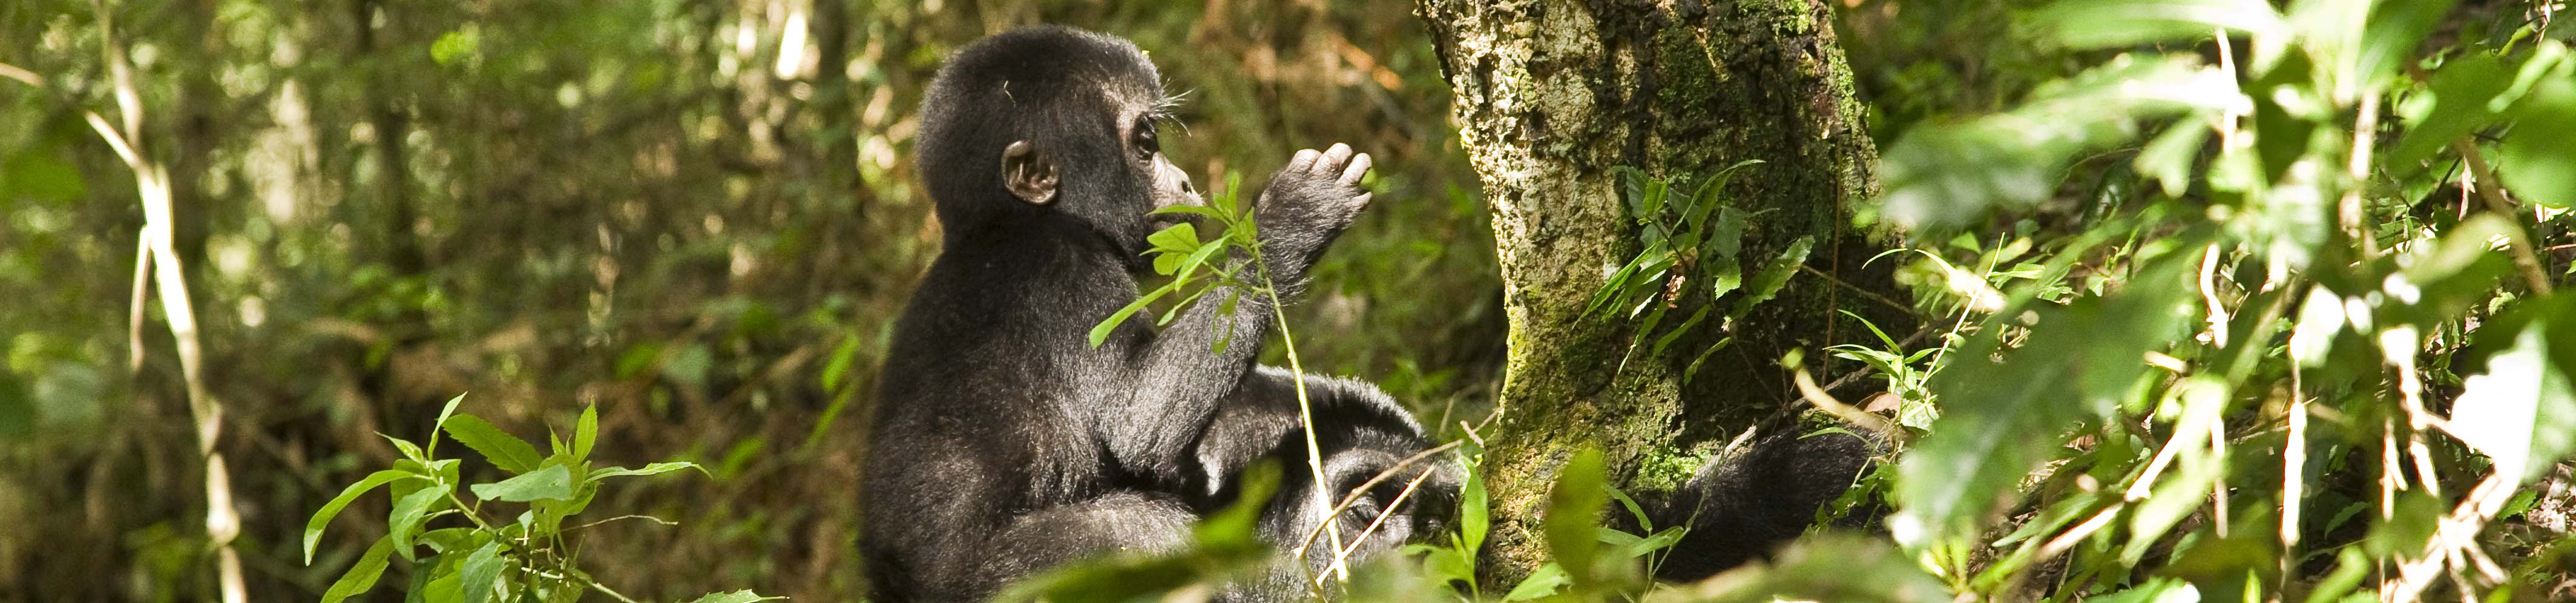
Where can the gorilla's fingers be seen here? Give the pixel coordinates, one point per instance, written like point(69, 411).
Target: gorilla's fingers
point(1359, 168)
point(1333, 159)
point(1304, 160)
point(1361, 201)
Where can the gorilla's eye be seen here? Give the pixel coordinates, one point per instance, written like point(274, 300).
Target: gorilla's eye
point(1145, 143)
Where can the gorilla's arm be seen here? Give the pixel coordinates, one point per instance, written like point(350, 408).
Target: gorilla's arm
point(1176, 381)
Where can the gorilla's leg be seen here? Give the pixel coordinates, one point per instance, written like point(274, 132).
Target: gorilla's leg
point(1739, 508)
point(1124, 521)
point(1361, 432)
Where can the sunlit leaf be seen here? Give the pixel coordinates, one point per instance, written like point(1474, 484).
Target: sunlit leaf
point(553, 482)
point(2535, 163)
point(739, 596)
point(2521, 412)
point(2114, 23)
point(652, 469)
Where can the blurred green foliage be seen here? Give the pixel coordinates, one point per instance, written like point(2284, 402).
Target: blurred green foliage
point(2240, 301)
point(698, 217)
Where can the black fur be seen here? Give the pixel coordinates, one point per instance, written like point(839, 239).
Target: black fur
point(1003, 443)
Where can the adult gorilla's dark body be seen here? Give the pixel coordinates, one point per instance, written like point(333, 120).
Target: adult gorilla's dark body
point(1004, 444)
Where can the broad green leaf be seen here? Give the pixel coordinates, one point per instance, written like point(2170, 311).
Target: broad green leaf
point(481, 572)
point(322, 518)
point(2170, 157)
point(652, 469)
point(2454, 105)
point(504, 450)
point(408, 515)
point(1546, 581)
point(553, 482)
point(1573, 511)
point(443, 587)
point(2004, 412)
point(1178, 238)
point(1766, 284)
point(2536, 163)
point(1945, 176)
point(2115, 23)
point(362, 576)
point(2521, 412)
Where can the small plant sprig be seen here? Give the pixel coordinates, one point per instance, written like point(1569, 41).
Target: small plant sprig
point(1180, 254)
point(531, 557)
point(1685, 237)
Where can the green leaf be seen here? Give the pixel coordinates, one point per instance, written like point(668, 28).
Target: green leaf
point(481, 572)
point(2455, 105)
point(739, 596)
point(1766, 284)
point(844, 358)
point(652, 469)
point(362, 576)
point(1177, 238)
point(504, 450)
point(1573, 511)
point(553, 482)
point(585, 433)
point(2521, 412)
point(2114, 23)
point(408, 515)
point(443, 413)
point(322, 518)
point(1473, 516)
point(2536, 164)
point(1546, 581)
point(1100, 332)
point(2005, 412)
point(409, 450)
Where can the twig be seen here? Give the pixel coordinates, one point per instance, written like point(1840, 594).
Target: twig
point(1341, 554)
point(1872, 295)
point(1846, 412)
point(1353, 497)
point(2481, 178)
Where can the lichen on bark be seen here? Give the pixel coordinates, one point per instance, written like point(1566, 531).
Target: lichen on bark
point(1553, 93)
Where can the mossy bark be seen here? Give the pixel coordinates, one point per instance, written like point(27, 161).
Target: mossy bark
point(1553, 93)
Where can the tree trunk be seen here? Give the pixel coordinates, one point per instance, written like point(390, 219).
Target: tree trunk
point(1553, 93)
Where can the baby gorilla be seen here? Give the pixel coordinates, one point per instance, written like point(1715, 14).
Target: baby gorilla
point(1004, 444)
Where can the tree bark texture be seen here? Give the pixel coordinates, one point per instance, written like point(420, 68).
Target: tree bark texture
point(1551, 94)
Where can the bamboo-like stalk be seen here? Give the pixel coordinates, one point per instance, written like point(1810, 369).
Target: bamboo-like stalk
point(152, 184)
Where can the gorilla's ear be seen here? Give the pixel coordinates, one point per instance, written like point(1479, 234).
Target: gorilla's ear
point(1029, 174)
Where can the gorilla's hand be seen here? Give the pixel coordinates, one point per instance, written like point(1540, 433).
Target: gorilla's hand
point(1308, 203)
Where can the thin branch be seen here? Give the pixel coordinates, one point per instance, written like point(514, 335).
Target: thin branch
point(2483, 179)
